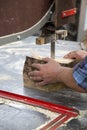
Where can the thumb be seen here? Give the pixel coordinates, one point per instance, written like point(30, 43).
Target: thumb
point(46, 59)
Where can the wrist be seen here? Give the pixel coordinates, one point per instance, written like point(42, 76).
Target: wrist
point(60, 74)
point(64, 73)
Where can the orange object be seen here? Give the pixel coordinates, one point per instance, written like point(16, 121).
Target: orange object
point(68, 13)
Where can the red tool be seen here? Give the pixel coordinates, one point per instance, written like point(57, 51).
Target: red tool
point(65, 113)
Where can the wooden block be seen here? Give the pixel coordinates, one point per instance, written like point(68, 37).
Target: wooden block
point(43, 40)
point(31, 84)
point(40, 40)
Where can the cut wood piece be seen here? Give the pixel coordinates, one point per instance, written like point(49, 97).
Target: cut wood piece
point(31, 84)
point(43, 40)
point(40, 40)
point(65, 61)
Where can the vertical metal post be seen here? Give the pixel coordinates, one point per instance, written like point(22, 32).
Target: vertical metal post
point(53, 46)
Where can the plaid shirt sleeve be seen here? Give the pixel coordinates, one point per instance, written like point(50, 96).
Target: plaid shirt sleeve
point(80, 73)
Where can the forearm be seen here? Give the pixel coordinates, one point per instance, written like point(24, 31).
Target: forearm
point(66, 76)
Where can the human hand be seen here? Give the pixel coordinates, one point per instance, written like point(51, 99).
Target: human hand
point(45, 73)
point(78, 55)
point(52, 72)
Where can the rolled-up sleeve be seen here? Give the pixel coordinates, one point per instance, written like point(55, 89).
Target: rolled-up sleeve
point(80, 73)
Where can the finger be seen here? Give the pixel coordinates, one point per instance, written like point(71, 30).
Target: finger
point(36, 65)
point(71, 55)
point(34, 73)
point(66, 56)
point(36, 78)
point(40, 83)
point(46, 59)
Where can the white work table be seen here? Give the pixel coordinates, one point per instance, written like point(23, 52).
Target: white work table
point(12, 58)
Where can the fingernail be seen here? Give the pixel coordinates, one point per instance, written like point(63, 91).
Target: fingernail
point(30, 77)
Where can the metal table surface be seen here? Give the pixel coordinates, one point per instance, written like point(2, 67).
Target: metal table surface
point(12, 58)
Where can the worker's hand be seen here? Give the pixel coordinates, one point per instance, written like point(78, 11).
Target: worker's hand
point(78, 55)
point(53, 72)
point(45, 73)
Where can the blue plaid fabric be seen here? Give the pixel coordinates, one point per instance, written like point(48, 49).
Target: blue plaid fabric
point(80, 73)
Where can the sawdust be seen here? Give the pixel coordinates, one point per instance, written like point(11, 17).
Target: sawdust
point(5, 77)
point(82, 113)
